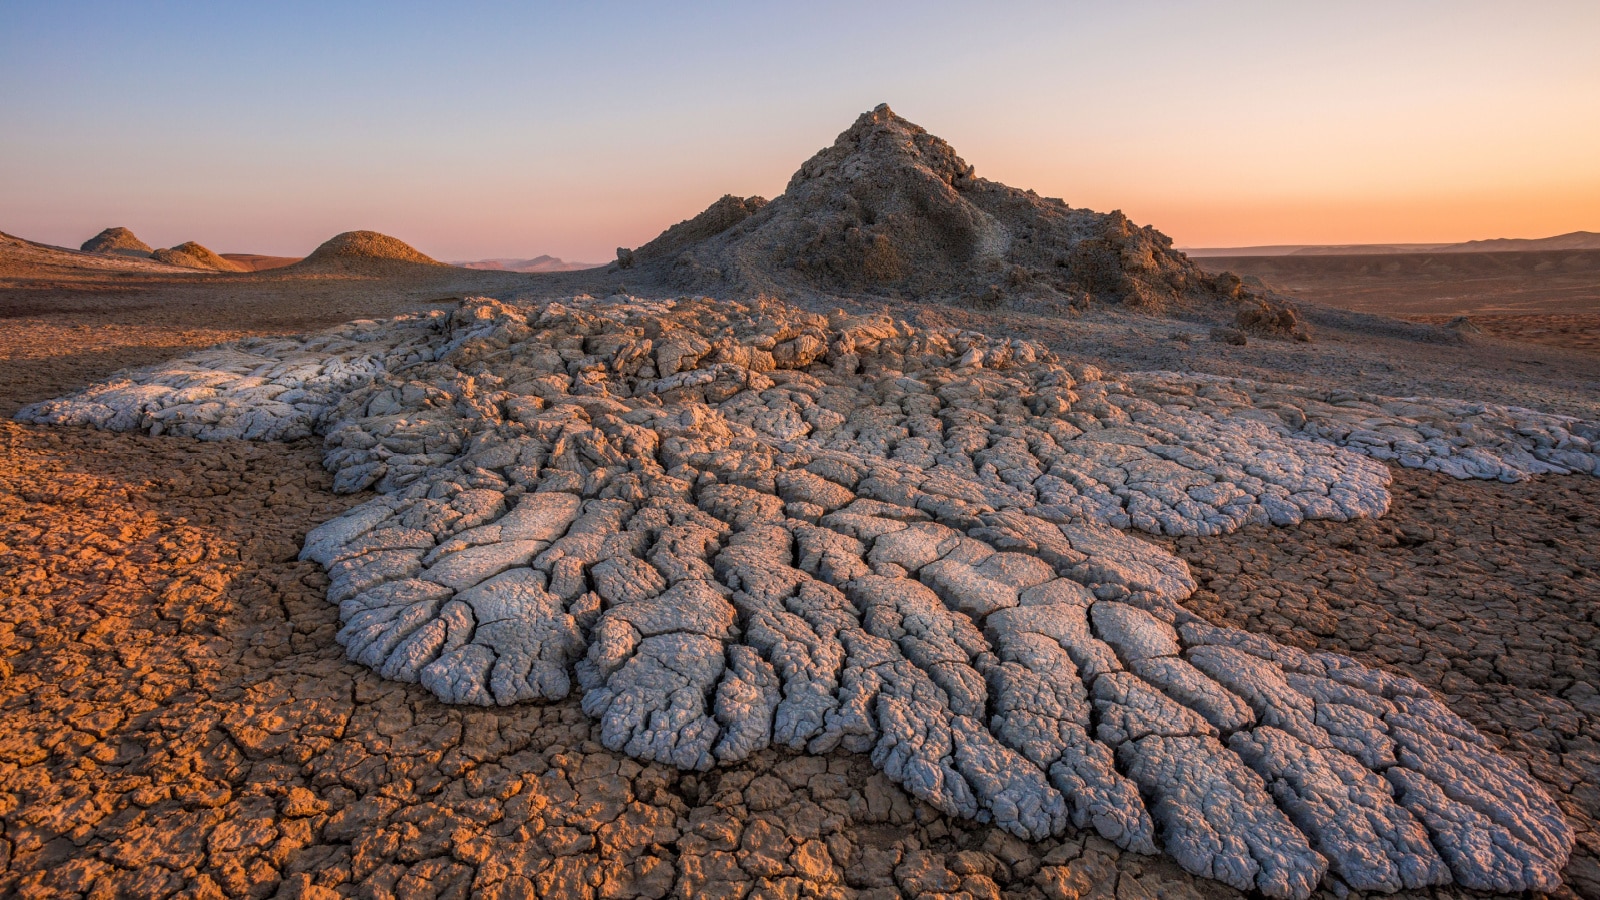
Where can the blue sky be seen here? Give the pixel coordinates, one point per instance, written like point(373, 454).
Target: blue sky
point(517, 129)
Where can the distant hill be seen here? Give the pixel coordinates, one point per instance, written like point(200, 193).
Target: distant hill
point(20, 257)
point(190, 255)
point(364, 253)
point(117, 240)
point(1370, 249)
point(536, 264)
point(1577, 240)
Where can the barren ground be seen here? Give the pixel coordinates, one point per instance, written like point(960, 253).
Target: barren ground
point(175, 715)
point(1549, 297)
point(1573, 331)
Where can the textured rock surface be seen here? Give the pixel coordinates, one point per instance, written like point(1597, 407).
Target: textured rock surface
point(839, 533)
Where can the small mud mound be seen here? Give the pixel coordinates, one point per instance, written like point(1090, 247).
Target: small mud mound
point(364, 253)
point(891, 209)
point(117, 240)
point(191, 255)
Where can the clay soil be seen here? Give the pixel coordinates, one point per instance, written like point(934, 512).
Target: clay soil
point(256, 262)
point(176, 718)
point(1546, 281)
point(1574, 331)
point(1541, 297)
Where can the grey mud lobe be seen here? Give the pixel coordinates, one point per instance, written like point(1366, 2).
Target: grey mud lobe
point(731, 526)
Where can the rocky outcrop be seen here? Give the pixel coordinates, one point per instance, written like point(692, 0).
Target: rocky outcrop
point(890, 209)
point(733, 527)
point(191, 255)
point(117, 240)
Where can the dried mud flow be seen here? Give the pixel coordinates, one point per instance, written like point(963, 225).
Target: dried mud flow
point(177, 717)
point(973, 855)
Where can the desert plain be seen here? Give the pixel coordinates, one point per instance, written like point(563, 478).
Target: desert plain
point(181, 712)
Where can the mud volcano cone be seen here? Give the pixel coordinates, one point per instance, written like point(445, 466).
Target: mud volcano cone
point(364, 253)
point(191, 255)
point(892, 209)
point(117, 240)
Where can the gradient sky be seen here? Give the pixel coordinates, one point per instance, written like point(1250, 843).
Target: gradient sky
point(514, 129)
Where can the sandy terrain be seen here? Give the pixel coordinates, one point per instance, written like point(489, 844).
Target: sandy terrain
point(1539, 297)
point(256, 262)
point(1406, 284)
point(1574, 331)
point(178, 716)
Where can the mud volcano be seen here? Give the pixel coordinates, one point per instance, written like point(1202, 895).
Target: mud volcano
point(117, 240)
point(890, 209)
point(190, 255)
point(364, 253)
point(734, 526)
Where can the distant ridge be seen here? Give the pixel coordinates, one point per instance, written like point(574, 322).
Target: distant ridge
point(363, 253)
point(1576, 240)
point(534, 265)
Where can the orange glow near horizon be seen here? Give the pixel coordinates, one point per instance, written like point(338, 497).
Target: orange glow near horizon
point(1383, 219)
point(525, 130)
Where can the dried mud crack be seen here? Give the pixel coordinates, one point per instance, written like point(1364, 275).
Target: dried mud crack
point(1487, 594)
point(178, 721)
point(217, 742)
point(735, 528)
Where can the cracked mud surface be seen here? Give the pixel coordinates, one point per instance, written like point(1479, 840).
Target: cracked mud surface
point(941, 835)
point(177, 717)
point(183, 720)
point(1488, 595)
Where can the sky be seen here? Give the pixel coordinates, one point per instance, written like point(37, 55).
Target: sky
point(476, 130)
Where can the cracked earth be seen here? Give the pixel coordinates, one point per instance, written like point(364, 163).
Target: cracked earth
point(303, 769)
